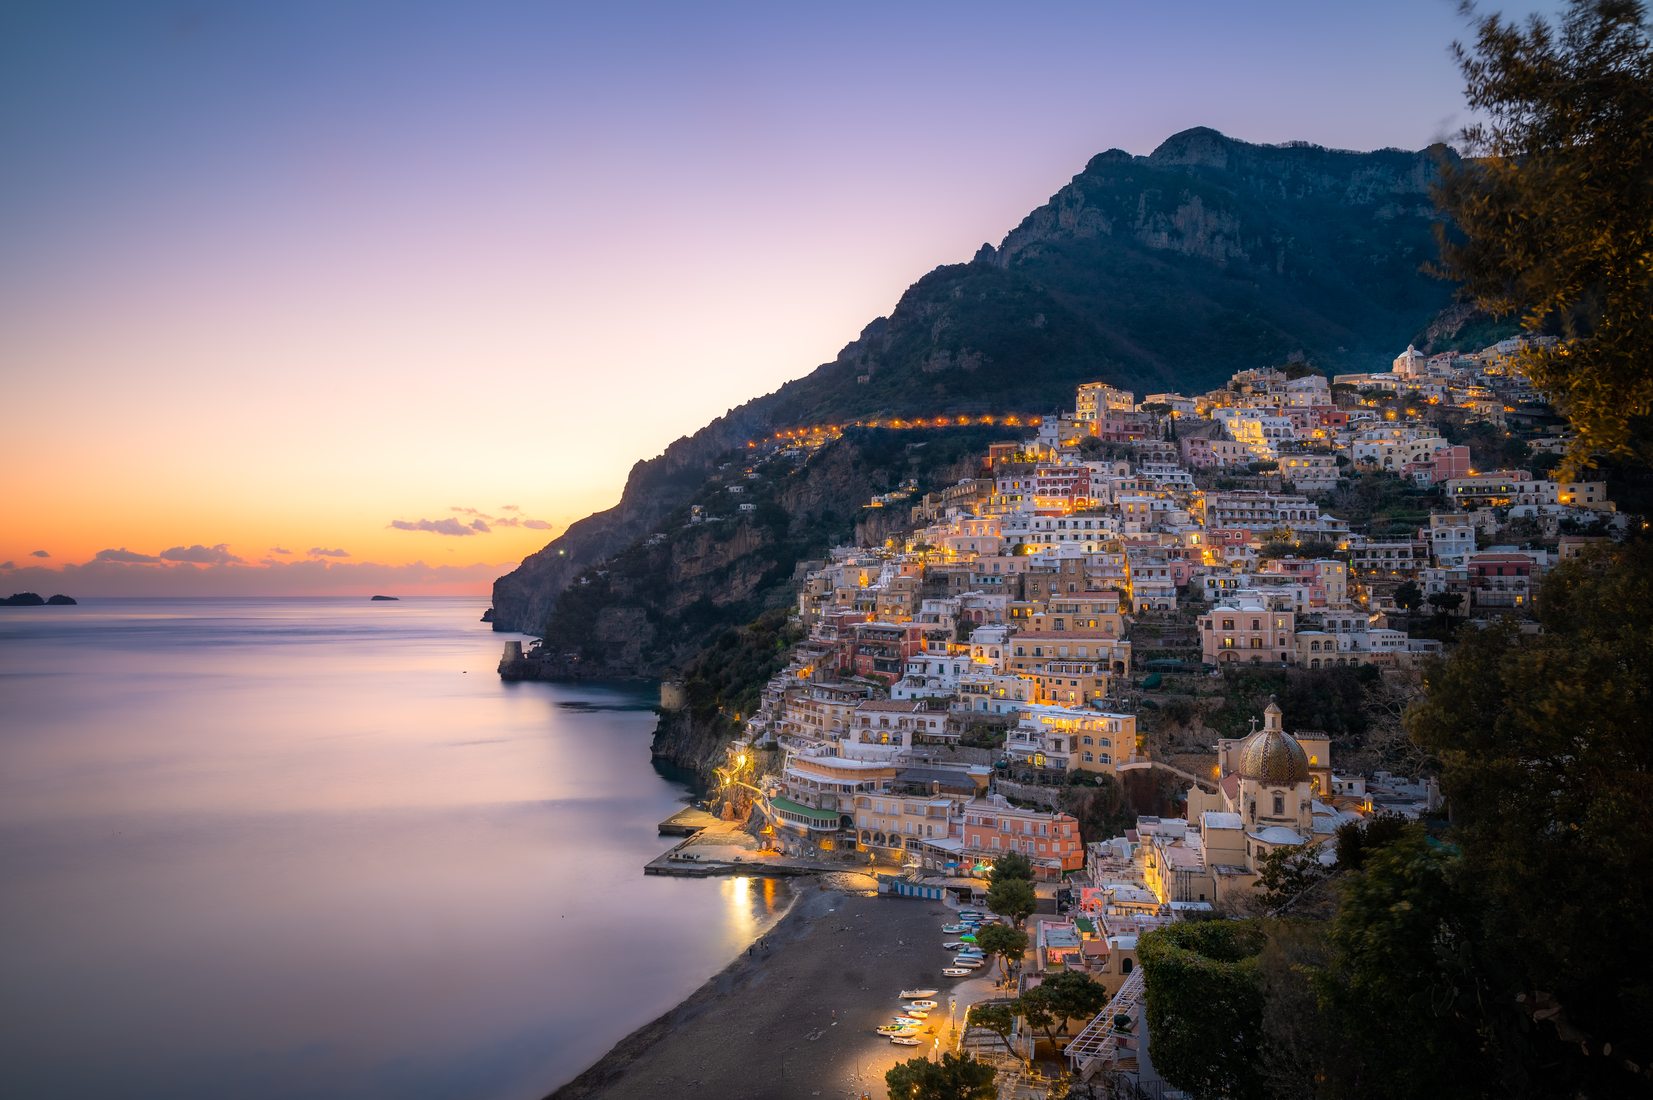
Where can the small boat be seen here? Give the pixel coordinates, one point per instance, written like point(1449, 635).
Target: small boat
point(925, 1005)
point(904, 1040)
point(968, 937)
point(918, 1012)
point(953, 945)
point(968, 964)
point(895, 1029)
point(969, 912)
point(911, 994)
point(910, 1021)
point(970, 952)
point(955, 972)
point(952, 929)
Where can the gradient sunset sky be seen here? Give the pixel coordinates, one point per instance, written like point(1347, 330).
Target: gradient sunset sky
point(357, 296)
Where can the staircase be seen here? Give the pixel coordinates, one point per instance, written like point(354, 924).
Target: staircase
point(1098, 1045)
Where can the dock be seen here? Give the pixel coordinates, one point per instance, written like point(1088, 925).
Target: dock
point(687, 822)
point(713, 846)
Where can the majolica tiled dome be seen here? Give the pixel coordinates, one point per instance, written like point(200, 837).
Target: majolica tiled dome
point(1273, 756)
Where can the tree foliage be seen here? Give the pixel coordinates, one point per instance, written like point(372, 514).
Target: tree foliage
point(1008, 866)
point(1205, 1006)
point(1547, 767)
point(1287, 873)
point(1013, 899)
point(1003, 942)
point(1556, 212)
point(955, 1077)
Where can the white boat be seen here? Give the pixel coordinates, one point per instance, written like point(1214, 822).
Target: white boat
point(927, 1006)
point(909, 1021)
point(896, 1029)
point(968, 964)
point(911, 994)
point(910, 1011)
point(955, 972)
point(904, 1040)
point(953, 929)
point(953, 945)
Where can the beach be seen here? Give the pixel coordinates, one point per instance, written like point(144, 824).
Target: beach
point(793, 1017)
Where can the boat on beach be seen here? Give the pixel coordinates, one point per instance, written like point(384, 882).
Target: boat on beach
point(910, 1021)
point(904, 1040)
point(914, 994)
point(927, 1006)
point(955, 972)
point(912, 1012)
point(953, 945)
point(895, 1029)
point(953, 929)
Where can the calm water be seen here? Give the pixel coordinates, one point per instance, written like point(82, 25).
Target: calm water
point(278, 848)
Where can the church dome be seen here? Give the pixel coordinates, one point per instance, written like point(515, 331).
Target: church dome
point(1273, 756)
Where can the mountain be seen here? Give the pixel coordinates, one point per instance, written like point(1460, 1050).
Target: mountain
point(1164, 272)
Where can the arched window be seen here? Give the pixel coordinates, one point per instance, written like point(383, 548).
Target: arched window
point(1125, 966)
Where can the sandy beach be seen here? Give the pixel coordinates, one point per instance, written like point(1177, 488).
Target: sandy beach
point(795, 1017)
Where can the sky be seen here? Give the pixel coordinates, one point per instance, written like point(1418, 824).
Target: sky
point(322, 298)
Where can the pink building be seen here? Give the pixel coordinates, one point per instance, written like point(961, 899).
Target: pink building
point(992, 827)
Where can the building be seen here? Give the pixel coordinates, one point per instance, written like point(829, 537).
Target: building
point(1247, 632)
point(1050, 841)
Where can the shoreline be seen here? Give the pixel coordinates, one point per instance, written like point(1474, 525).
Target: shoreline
point(607, 1069)
point(793, 1015)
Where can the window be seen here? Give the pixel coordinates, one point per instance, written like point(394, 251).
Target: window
point(1279, 804)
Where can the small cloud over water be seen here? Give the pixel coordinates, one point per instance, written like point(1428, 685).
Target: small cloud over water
point(201, 555)
point(129, 557)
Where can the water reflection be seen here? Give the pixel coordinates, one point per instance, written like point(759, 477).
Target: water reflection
point(276, 848)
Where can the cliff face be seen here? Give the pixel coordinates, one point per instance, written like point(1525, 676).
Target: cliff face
point(651, 605)
point(691, 743)
point(1168, 271)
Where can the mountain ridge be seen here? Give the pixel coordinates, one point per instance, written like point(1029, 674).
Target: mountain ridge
point(1165, 271)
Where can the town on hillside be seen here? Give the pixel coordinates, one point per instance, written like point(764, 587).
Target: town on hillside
point(1121, 613)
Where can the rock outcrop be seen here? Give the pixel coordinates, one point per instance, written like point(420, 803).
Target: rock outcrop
point(1168, 271)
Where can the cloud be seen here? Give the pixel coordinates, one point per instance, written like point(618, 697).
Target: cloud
point(509, 508)
point(8, 565)
point(447, 526)
point(483, 522)
point(480, 525)
point(201, 555)
point(536, 524)
point(280, 550)
point(125, 556)
point(39, 554)
point(324, 552)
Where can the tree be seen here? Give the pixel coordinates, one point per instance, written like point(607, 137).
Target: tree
point(1556, 212)
point(1004, 943)
point(1400, 995)
point(1205, 1005)
point(955, 1077)
point(1288, 872)
point(1008, 866)
point(1444, 602)
point(1013, 899)
point(1547, 769)
point(1073, 996)
point(1408, 596)
point(1036, 1007)
point(999, 1018)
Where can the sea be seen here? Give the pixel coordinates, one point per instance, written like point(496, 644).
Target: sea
point(316, 848)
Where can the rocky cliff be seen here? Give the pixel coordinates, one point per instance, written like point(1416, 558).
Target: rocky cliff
point(1168, 271)
point(731, 552)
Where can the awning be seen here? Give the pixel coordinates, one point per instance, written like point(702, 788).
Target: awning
point(786, 805)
